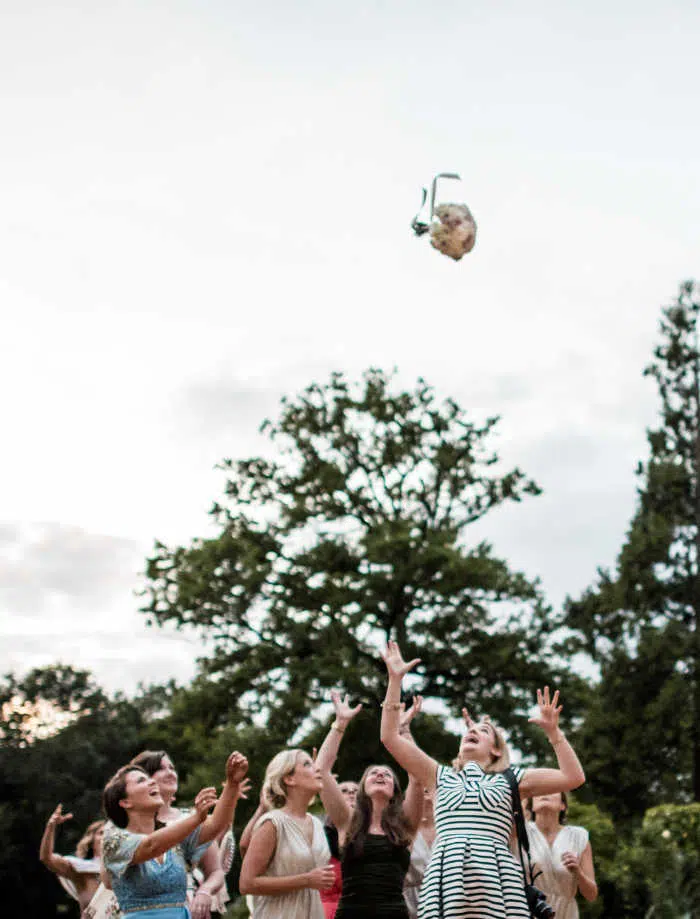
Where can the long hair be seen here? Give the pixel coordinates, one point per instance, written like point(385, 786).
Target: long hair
point(86, 847)
point(281, 766)
point(149, 761)
point(114, 792)
point(394, 822)
point(499, 763)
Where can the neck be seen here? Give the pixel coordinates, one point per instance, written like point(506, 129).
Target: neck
point(378, 807)
point(165, 813)
point(547, 823)
point(297, 803)
point(484, 762)
point(142, 822)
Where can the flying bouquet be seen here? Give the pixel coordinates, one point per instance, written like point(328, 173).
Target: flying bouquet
point(451, 226)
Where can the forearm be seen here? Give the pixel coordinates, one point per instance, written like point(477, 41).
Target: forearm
point(213, 883)
point(247, 834)
point(221, 817)
point(46, 846)
point(391, 709)
point(158, 843)
point(274, 886)
point(587, 886)
point(329, 748)
point(568, 762)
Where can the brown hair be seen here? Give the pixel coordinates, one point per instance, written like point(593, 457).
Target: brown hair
point(394, 822)
point(562, 813)
point(149, 760)
point(86, 847)
point(499, 763)
point(114, 792)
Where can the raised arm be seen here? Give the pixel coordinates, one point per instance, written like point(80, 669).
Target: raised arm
point(158, 842)
point(414, 799)
point(570, 773)
point(333, 800)
point(406, 752)
point(48, 857)
point(260, 851)
point(222, 817)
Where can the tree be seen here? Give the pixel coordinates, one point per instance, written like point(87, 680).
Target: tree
point(645, 616)
point(357, 530)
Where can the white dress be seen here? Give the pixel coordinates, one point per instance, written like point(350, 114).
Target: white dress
point(556, 881)
point(293, 855)
point(420, 856)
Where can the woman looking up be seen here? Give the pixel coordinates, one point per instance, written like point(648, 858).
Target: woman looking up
point(377, 831)
point(472, 873)
point(146, 865)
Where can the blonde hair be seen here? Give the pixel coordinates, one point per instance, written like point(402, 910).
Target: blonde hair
point(87, 843)
point(278, 769)
point(498, 763)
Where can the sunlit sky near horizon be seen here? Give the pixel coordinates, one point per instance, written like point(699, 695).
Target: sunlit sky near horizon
point(206, 206)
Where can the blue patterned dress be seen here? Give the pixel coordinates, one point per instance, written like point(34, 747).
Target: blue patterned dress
point(472, 873)
point(153, 889)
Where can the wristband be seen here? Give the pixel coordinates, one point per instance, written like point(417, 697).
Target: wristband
point(336, 727)
point(392, 706)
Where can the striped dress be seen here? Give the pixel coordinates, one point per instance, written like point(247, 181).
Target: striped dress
point(472, 873)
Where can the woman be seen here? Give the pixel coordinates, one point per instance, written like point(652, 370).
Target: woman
point(79, 874)
point(145, 863)
point(331, 897)
point(472, 873)
point(378, 831)
point(563, 854)
point(420, 854)
point(206, 886)
point(286, 862)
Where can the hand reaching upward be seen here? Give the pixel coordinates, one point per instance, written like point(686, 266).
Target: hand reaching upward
point(548, 715)
point(343, 712)
point(395, 664)
point(236, 768)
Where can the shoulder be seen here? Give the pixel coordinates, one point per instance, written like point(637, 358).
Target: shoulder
point(274, 818)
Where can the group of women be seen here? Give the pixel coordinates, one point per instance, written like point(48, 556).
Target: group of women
point(440, 850)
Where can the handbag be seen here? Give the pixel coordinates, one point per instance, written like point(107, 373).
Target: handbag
point(536, 899)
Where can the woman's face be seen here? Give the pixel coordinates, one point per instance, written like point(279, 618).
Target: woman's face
point(379, 781)
point(306, 775)
point(349, 791)
point(166, 776)
point(547, 804)
point(97, 842)
point(142, 794)
point(479, 742)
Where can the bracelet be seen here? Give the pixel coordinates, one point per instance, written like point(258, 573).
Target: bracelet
point(561, 740)
point(336, 727)
point(392, 706)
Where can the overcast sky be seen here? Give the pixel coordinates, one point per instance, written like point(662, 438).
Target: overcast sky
point(206, 206)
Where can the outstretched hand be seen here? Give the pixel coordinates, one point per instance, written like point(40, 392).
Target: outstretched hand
point(343, 712)
point(406, 716)
point(395, 664)
point(548, 715)
point(58, 817)
point(205, 800)
point(236, 768)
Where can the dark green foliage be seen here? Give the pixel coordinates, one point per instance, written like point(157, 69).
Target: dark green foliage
point(359, 530)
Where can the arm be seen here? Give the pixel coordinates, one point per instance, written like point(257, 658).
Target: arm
point(260, 851)
point(407, 753)
point(47, 856)
point(222, 817)
point(415, 793)
point(570, 773)
point(214, 877)
point(333, 801)
point(158, 842)
point(247, 834)
point(584, 871)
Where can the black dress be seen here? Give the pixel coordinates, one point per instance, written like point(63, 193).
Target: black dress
point(373, 881)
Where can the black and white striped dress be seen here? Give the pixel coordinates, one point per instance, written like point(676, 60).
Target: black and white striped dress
point(472, 873)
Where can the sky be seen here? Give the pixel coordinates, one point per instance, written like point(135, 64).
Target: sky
point(207, 206)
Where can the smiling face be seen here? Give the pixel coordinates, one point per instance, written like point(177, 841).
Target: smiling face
point(480, 743)
point(141, 794)
point(166, 777)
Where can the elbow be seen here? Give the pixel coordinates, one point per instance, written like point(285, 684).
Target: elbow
point(245, 885)
point(579, 779)
point(592, 894)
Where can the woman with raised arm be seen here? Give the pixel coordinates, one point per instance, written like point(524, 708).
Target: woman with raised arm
point(377, 832)
point(563, 854)
point(145, 863)
point(472, 873)
point(286, 862)
point(79, 874)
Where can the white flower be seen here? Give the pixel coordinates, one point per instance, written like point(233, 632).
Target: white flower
point(455, 233)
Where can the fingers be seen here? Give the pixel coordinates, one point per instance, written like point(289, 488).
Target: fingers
point(357, 709)
point(413, 663)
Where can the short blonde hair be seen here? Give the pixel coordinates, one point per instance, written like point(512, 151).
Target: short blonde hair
point(278, 769)
point(86, 846)
point(497, 764)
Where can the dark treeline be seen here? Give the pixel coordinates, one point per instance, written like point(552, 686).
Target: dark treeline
point(360, 529)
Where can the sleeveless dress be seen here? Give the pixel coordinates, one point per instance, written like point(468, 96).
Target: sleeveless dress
point(373, 881)
point(472, 873)
point(153, 889)
point(293, 855)
point(420, 856)
point(557, 881)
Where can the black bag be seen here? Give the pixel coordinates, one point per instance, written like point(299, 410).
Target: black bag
point(536, 900)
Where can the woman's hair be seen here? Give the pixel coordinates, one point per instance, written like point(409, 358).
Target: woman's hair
point(114, 792)
point(497, 764)
point(394, 822)
point(86, 847)
point(562, 813)
point(278, 769)
point(149, 761)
